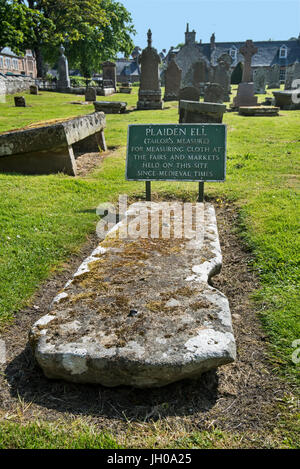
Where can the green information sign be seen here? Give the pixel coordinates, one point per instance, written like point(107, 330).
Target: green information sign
point(176, 152)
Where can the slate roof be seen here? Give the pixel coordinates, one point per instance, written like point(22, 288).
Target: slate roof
point(267, 54)
point(127, 68)
point(8, 51)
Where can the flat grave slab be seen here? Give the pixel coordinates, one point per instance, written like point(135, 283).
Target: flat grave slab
point(259, 111)
point(140, 310)
point(52, 147)
point(288, 100)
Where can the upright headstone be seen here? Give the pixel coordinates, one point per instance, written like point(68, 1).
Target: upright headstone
point(274, 76)
point(110, 73)
point(245, 94)
point(90, 94)
point(172, 81)
point(149, 91)
point(33, 89)
point(289, 72)
point(296, 76)
point(260, 80)
point(20, 101)
point(214, 93)
point(189, 93)
point(222, 74)
point(63, 82)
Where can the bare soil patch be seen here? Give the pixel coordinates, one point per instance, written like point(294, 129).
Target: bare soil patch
point(241, 396)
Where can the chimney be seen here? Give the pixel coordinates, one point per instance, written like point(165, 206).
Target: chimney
point(190, 37)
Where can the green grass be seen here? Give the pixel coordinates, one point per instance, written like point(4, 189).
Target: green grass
point(44, 219)
point(41, 435)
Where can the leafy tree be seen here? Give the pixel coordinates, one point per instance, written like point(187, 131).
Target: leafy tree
point(18, 24)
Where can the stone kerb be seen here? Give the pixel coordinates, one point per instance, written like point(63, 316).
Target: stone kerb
point(167, 324)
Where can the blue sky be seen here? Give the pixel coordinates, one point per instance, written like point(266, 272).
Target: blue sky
point(232, 20)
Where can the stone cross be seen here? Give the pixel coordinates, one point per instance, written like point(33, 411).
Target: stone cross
point(248, 50)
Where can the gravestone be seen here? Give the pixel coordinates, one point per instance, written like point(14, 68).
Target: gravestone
point(274, 76)
point(245, 94)
point(52, 147)
point(149, 91)
point(189, 93)
point(110, 107)
point(260, 79)
point(140, 311)
point(193, 112)
point(63, 82)
point(288, 100)
point(172, 81)
point(19, 101)
point(33, 89)
point(90, 94)
point(110, 73)
point(214, 93)
point(222, 75)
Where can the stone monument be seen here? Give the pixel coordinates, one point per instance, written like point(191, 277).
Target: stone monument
point(172, 81)
point(214, 93)
point(245, 94)
point(33, 89)
point(110, 73)
point(149, 91)
point(274, 76)
point(19, 101)
point(63, 82)
point(90, 94)
point(222, 74)
point(260, 79)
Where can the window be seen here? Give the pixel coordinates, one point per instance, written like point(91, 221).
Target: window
point(1, 62)
point(7, 63)
point(283, 52)
point(15, 64)
point(282, 75)
point(233, 52)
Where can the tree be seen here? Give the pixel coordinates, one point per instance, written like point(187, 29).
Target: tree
point(98, 44)
point(18, 24)
point(91, 31)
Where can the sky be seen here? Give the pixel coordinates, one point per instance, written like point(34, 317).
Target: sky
point(230, 20)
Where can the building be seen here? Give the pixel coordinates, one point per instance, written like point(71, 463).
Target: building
point(128, 70)
point(284, 53)
point(12, 64)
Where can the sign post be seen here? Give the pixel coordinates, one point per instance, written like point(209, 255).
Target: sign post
point(176, 152)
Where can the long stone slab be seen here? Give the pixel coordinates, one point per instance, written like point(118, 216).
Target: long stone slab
point(53, 147)
point(140, 311)
point(288, 100)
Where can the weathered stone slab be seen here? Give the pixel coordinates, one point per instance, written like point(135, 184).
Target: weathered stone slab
point(287, 99)
point(46, 149)
point(172, 81)
point(245, 96)
point(140, 311)
point(110, 107)
point(259, 111)
point(192, 112)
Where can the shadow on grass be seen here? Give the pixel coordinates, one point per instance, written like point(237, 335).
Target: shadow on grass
point(27, 381)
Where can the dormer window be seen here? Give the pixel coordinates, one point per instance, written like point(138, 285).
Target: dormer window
point(233, 52)
point(283, 52)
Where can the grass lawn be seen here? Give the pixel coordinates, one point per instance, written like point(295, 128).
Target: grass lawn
point(44, 219)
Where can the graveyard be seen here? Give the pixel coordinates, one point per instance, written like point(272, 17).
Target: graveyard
point(48, 229)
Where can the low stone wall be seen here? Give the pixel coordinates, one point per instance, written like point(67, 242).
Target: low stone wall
point(14, 85)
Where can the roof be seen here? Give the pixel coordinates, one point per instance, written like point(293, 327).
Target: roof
point(8, 51)
point(267, 54)
point(127, 68)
